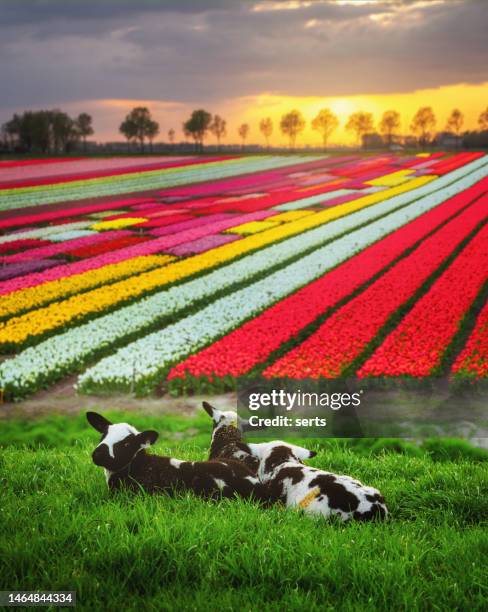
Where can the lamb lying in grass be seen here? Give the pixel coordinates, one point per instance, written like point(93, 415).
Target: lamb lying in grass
point(315, 491)
point(279, 466)
point(121, 452)
point(227, 438)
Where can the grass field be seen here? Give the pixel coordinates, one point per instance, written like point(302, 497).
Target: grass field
point(60, 529)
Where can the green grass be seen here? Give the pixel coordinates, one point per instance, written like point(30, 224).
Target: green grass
point(60, 529)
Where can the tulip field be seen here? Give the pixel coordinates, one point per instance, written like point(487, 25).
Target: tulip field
point(138, 274)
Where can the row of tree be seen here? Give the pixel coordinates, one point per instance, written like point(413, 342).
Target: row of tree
point(51, 131)
point(139, 126)
point(47, 131)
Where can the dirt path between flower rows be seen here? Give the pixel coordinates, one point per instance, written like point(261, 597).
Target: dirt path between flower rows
point(63, 399)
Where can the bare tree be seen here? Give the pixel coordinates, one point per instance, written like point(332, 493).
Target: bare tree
point(291, 125)
point(483, 120)
point(243, 132)
point(171, 136)
point(389, 125)
point(218, 127)
point(325, 123)
point(455, 124)
point(360, 123)
point(266, 128)
point(423, 124)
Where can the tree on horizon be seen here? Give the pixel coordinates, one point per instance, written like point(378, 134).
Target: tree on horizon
point(139, 125)
point(389, 125)
point(171, 136)
point(84, 125)
point(151, 132)
point(44, 131)
point(291, 125)
point(360, 123)
point(325, 123)
point(423, 124)
point(218, 127)
point(243, 132)
point(455, 124)
point(197, 127)
point(266, 129)
point(483, 120)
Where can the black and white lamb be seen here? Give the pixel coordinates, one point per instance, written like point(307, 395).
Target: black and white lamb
point(121, 452)
point(227, 438)
point(314, 491)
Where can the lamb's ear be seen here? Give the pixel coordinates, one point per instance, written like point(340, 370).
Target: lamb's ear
point(302, 453)
point(99, 422)
point(212, 412)
point(208, 409)
point(148, 437)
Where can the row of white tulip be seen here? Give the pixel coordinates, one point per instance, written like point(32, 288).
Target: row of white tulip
point(45, 232)
point(69, 351)
point(71, 235)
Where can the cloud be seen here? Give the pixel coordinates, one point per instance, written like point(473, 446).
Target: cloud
point(203, 52)
point(35, 11)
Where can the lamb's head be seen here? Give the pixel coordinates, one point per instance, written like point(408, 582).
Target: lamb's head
point(224, 419)
point(272, 455)
point(120, 442)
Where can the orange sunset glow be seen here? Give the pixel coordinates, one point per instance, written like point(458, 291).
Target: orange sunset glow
point(471, 99)
point(247, 60)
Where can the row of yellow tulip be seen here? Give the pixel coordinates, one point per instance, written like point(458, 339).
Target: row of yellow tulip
point(33, 297)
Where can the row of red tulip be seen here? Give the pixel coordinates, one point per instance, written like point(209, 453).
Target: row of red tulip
point(21, 245)
point(472, 361)
point(107, 247)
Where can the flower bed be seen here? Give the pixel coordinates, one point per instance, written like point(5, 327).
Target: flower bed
point(109, 246)
point(416, 346)
point(17, 270)
point(29, 299)
point(63, 247)
point(144, 181)
point(346, 334)
point(239, 352)
point(34, 324)
point(21, 245)
point(472, 362)
point(275, 284)
point(155, 353)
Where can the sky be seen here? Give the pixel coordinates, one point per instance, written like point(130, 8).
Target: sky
point(244, 59)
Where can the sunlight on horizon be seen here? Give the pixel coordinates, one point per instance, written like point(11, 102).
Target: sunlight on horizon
point(470, 99)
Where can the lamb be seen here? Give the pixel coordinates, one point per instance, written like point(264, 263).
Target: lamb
point(121, 452)
point(227, 438)
point(314, 491)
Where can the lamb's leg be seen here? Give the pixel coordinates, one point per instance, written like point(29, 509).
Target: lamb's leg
point(205, 486)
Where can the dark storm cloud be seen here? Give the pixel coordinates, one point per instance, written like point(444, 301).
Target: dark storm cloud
point(55, 51)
